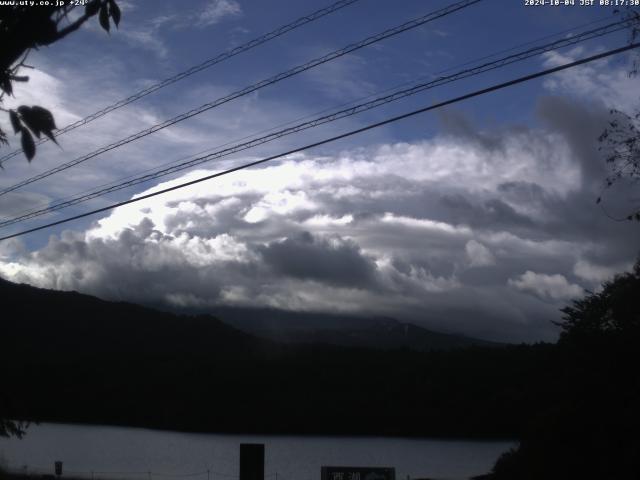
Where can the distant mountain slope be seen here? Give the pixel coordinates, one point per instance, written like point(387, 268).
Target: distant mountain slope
point(49, 322)
point(342, 330)
point(239, 326)
point(75, 358)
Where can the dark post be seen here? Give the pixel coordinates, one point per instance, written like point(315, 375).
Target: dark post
point(252, 461)
point(58, 467)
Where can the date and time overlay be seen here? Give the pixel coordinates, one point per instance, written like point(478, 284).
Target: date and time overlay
point(526, 3)
point(581, 3)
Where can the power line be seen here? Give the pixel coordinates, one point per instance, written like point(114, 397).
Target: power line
point(51, 206)
point(195, 69)
point(252, 88)
point(476, 93)
point(360, 108)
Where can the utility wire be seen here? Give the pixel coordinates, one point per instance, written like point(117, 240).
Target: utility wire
point(467, 96)
point(195, 69)
point(252, 88)
point(54, 203)
point(517, 57)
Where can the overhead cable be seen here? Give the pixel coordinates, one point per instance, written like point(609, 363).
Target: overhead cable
point(476, 93)
point(278, 32)
point(343, 113)
point(252, 88)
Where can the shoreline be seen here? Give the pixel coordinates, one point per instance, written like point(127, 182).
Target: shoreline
point(292, 433)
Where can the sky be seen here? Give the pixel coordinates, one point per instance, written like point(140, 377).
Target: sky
point(478, 218)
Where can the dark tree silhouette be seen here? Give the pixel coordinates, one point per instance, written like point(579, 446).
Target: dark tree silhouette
point(23, 28)
point(620, 141)
point(589, 427)
point(612, 313)
point(10, 428)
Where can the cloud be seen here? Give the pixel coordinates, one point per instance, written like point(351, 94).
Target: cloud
point(216, 10)
point(149, 34)
point(343, 79)
point(601, 82)
point(598, 274)
point(369, 231)
point(333, 261)
point(478, 254)
point(547, 286)
point(147, 37)
point(437, 230)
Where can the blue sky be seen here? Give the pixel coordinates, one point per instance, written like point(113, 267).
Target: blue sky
point(478, 218)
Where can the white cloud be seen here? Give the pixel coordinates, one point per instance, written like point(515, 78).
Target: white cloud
point(478, 254)
point(239, 239)
point(594, 82)
point(42, 89)
point(216, 10)
point(555, 286)
point(147, 37)
point(425, 224)
point(344, 79)
point(598, 274)
point(389, 229)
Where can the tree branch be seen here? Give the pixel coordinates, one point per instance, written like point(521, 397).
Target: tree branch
point(72, 27)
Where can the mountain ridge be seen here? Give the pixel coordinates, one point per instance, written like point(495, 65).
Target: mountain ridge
point(268, 324)
point(70, 357)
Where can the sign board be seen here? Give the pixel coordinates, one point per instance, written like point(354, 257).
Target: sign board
point(58, 465)
point(252, 461)
point(358, 473)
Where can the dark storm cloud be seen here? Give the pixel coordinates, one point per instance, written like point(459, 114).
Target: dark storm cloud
point(577, 217)
point(462, 128)
point(478, 213)
point(306, 257)
point(482, 231)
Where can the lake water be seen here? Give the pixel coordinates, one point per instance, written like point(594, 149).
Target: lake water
point(130, 453)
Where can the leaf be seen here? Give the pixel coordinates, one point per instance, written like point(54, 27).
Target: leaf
point(28, 145)
point(45, 120)
point(598, 200)
point(29, 120)
point(91, 8)
point(39, 120)
point(15, 121)
point(114, 11)
point(5, 85)
point(104, 17)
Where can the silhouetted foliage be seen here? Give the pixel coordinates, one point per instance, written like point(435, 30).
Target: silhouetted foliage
point(74, 358)
point(11, 428)
point(614, 312)
point(620, 141)
point(79, 359)
point(589, 429)
point(22, 28)
point(26, 27)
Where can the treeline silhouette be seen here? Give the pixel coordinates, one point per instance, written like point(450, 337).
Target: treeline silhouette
point(573, 405)
point(69, 357)
point(589, 428)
